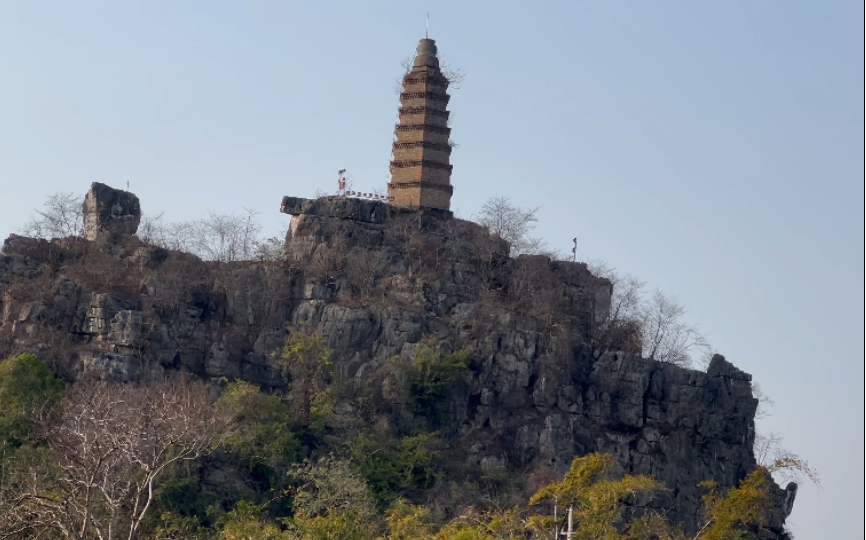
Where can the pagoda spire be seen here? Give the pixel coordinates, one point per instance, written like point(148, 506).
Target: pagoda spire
point(421, 168)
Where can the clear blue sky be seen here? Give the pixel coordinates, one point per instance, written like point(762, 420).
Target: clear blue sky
point(714, 150)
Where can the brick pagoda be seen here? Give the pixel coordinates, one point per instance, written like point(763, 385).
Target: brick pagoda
point(420, 171)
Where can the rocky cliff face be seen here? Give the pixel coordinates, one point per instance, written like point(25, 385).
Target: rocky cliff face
point(375, 283)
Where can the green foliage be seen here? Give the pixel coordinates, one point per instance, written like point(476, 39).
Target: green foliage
point(334, 525)
point(584, 471)
point(598, 503)
point(246, 521)
point(463, 531)
point(435, 379)
point(507, 525)
point(306, 360)
point(330, 484)
point(175, 527)
point(260, 435)
point(408, 522)
point(18, 469)
point(343, 499)
point(180, 500)
point(393, 466)
point(746, 504)
point(29, 397)
point(332, 503)
point(262, 429)
point(596, 498)
point(28, 392)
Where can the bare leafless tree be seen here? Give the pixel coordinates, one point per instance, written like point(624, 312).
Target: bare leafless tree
point(621, 330)
point(365, 266)
point(513, 224)
point(150, 228)
point(62, 215)
point(328, 261)
point(112, 443)
point(228, 237)
point(405, 229)
point(270, 249)
point(628, 291)
point(785, 465)
point(454, 76)
point(666, 337)
point(653, 325)
point(218, 237)
point(177, 236)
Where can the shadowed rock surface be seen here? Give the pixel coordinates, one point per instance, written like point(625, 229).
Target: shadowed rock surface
point(375, 281)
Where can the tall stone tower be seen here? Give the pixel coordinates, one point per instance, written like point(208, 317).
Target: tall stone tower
point(421, 169)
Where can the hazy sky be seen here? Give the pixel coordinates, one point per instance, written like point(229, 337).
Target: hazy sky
point(714, 150)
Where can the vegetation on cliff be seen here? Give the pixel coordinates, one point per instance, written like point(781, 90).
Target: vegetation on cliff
point(388, 375)
point(169, 458)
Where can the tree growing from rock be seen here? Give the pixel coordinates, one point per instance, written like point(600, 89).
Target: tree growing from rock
point(653, 326)
point(217, 237)
point(666, 336)
point(306, 360)
point(62, 215)
point(513, 224)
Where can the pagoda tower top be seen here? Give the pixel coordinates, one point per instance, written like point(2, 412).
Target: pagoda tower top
point(421, 169)
point(425, 54)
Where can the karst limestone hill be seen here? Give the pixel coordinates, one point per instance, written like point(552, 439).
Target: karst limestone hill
point(376, 282)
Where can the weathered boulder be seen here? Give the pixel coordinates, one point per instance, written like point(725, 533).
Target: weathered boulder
point(110, 214)
point(361, 210)
point(111, 366)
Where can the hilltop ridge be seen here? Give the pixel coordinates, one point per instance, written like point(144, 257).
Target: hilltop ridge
point(378, 283)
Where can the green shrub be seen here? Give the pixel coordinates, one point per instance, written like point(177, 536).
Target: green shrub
point(247, 521)
point(262, 431)
point(29, 391)
point(394, 466)
point(435, 380)
point(306, 361)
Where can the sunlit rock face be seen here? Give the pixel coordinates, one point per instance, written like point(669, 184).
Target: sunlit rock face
point(110, 214)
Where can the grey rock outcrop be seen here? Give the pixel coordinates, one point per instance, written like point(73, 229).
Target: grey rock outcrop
point(375, 282)
point(110, 214)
